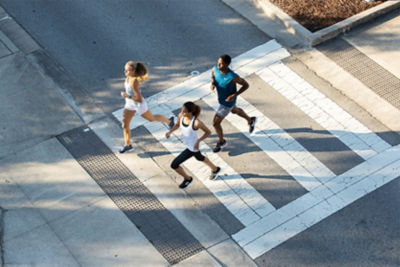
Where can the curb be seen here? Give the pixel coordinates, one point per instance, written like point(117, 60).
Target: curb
point(14, 36)
point(273, 12)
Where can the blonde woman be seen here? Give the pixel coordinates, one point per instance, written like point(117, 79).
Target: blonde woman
point(136, 72)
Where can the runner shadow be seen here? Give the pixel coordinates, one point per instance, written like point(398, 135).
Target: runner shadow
point(256, 176)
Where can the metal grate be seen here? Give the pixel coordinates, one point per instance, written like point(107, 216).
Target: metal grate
point(156, 223)
point(378, 79)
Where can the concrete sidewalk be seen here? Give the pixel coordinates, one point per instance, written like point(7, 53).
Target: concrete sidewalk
point(52, 211)
point(50, 205)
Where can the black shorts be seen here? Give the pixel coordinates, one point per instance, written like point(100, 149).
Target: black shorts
point(185, 155)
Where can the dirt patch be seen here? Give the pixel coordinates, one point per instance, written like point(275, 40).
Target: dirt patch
point(318, 14)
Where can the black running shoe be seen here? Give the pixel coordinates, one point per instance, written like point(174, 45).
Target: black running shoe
point(171, 122)
point(125, 148)
point(185, 183)
point(252, 124)
point(213, 175)
point(219, 146)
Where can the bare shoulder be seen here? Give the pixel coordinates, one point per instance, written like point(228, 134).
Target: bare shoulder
point(198, 124)
point(179, 117)
point(135, 83)
point(239, 80)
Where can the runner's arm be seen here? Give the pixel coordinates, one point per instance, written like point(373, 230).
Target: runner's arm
point(199, 124)
point(175, 127)
point(212, 86)
point(243, 83)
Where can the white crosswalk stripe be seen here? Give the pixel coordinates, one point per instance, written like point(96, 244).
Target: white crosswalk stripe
point(323, 110)
point(311, 208)
point(267, 227)
point(291, 160)
point(238, 196)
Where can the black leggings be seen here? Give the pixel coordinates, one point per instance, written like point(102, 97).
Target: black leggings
point(185, 155)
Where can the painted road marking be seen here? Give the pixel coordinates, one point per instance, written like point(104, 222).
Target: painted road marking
point(323, 110)
point(239, 197)
point(318, 204)
point(292, 161)
point(254, 59)
point(267, 227)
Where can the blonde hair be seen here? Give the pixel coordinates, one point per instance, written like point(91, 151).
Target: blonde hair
point(140, 70)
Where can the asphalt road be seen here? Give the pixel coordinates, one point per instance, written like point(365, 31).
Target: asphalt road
point(92, 40)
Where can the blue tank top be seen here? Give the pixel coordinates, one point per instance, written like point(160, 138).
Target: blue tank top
point(225, 86)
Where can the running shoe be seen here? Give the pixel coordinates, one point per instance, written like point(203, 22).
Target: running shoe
point(125, 148)
point(252, 124)
point(213, 175)
point(219, 146)
point(171, 122)
point(185, 183)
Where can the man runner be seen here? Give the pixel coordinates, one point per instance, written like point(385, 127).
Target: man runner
point(225, 80)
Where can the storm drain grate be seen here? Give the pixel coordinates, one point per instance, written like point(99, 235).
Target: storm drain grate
point(378, 79)
point(156, 223)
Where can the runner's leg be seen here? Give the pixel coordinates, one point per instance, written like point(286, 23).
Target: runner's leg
point(205, 160)
point(185, 155)
point(210, 164)
point(218, 128)
point(240, 112)
point(127, 116)
point(155, 117)
point(214, 169)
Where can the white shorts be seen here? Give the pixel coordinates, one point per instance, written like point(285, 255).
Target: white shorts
point(138, 107)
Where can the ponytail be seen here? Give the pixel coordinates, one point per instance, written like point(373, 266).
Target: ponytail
point(192, 108)
point(140, 70)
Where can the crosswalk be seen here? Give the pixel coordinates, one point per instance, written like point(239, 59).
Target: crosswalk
point(266, 226)
point(238, 196)
point(323, 110)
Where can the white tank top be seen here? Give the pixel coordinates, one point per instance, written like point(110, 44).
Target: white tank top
point(128, 89)
point(189, 135)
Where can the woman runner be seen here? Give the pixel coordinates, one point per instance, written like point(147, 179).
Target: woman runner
point(134, 102)
point(189, 123)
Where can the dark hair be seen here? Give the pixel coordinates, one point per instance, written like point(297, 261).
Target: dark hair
point(192, 108)
point(139, 68)
point(226, 59)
